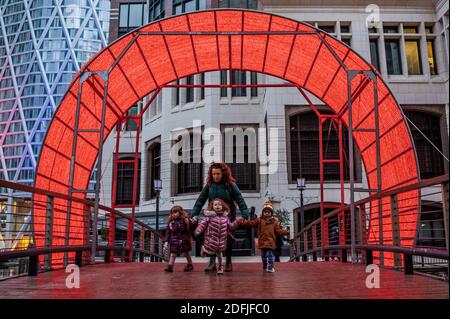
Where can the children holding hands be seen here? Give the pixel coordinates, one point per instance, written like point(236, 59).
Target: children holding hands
point(216, 227)
point(268, 228)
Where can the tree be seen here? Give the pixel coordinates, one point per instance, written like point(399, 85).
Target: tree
point(283, 216)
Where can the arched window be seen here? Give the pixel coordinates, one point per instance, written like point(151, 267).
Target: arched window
point(431, 163)
point(304, 140)
point(153, 168)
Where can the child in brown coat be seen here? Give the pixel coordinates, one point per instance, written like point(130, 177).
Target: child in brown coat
point(268, 229)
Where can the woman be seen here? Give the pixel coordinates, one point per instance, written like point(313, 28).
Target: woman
point(221, 184)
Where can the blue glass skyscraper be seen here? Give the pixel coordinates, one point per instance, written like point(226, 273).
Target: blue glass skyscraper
point(43, 43)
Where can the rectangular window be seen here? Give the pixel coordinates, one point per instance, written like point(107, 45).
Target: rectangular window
point(254, 80)
point(239, 77)
point(131, 124)
point(345, 28)
point(243, 171)
point(413, 57)
point(177, 93)
point(390, 29)
point(189, 6)
point(124, 188)
point(190, 91)
point(428, 30)
point(431, 58)
point(154, 155)
point(393, 60)
point(189, 174)
point(223, 81)
point(136, 15)
point(202, 90)
point(327, 28)
point(410, 30)
point(347, 41)
point(374, 58)
point(178, 9)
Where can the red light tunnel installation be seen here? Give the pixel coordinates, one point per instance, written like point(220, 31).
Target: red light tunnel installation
point(169, 49)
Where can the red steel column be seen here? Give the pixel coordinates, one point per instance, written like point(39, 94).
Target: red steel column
point(130, 233)
point(112, 216)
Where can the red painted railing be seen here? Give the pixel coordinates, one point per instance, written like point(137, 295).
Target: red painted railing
point(430, 248)
point(20, 254)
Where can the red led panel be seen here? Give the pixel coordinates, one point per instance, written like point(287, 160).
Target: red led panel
point(318, 63)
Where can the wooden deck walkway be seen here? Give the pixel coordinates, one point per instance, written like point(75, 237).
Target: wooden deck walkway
point(291, 280)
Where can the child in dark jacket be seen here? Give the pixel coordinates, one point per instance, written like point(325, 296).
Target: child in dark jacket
point(178, 237)
point(268, 229)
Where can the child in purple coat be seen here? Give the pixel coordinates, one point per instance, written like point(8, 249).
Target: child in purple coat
point(216, 226)
point(178, 237)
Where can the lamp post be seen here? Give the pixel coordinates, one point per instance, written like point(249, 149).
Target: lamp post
point(157, 186)
point(301, 186)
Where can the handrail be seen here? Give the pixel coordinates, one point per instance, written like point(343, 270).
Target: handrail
point(30, 189)
point(147, 246)
point(425, 183)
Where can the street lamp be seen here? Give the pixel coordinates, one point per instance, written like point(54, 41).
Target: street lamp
point(301, 186)
point(157, 187)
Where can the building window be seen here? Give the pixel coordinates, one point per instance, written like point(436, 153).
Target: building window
point(131, 123)
point(390, 29)
point(176, 94)
point(327, 28)
point(190, 90)
point(189, 174)
point(393, 60)
point(374, 58)
point(202, 89)
point(432, 226)
point(131, 16)
point(305, 157)
point(410, 30)
point(223, 81)
point(243, 4)
point(347, 41)
point(243, 166)
point(124, 187)
point(431, 57)
point(238, 77)
point(154, 168)
point(413, 57)
point(156, 10)
point(184, 6)
point(254, 81)
point(430, 160)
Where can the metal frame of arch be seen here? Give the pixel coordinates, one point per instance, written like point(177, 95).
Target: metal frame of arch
point(153, 56)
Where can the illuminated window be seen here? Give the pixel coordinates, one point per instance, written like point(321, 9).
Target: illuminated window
point(431, 58)
point(413, 57)
point(411, 30)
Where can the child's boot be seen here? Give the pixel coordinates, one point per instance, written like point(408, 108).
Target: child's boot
point(220, 269)
point(212, 264)
point(169, 268)
point(189, 267)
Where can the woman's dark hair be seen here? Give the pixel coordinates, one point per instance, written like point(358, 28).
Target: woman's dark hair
point(227, 176)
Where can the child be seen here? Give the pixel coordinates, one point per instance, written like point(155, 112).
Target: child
point(178, 237)
point(268, 229)
point(216, 226)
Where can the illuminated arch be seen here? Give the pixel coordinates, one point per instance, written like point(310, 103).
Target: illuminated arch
point(155, 55)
